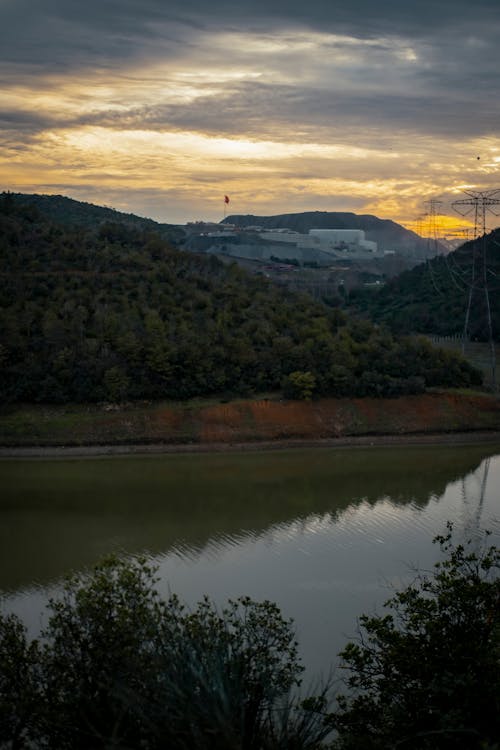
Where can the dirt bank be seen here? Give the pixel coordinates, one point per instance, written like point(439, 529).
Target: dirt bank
point(251, 424)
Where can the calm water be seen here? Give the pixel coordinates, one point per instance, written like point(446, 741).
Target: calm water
point(325, 533)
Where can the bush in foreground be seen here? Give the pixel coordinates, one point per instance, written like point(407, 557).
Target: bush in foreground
point(426, 676)
point(119, 667)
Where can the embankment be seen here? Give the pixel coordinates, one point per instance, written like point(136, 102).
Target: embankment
point(213, 424)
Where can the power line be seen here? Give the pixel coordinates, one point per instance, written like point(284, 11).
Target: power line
point(480, 203)
point(432, 241)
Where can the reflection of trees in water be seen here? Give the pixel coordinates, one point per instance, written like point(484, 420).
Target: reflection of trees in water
point(347, 498)
point(88, 508)
point(414, 478)
point(402, 477)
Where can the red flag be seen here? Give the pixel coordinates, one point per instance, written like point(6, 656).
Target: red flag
point(226, 199)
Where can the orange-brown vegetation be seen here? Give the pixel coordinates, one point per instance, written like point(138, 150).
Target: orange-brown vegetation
point(275, 420)
point(221, 423)
point(251, 421)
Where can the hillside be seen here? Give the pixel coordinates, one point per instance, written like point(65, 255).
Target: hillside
point(388, 234)
point(75, 213)
point(432, 297)
point(116, 313)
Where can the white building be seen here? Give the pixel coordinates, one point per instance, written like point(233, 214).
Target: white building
point(343, 239)
point(332, 241)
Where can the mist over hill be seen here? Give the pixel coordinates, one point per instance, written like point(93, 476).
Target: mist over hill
point(388, 234)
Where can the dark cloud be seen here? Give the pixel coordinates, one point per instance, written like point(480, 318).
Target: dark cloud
point(95, 32)
point(276, 112)
point(458, 41)
point(23, 121)
point(429, 66)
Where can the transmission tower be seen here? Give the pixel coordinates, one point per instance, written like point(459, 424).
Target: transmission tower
point(478, 203)
point(432, 224)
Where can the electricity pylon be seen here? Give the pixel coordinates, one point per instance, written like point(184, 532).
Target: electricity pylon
point(479, 203)
point(432, 225)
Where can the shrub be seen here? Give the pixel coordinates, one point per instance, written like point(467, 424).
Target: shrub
point(119, 667)
point(426, 675)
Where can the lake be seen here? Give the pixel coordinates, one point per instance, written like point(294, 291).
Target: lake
point(326, 533)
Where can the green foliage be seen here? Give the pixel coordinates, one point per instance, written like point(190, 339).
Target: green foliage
point(20, 684)
point(426, 675)
point(433, 296)
point(116, 313)
point(120, 667)
point(116, 384)
point(299, 385)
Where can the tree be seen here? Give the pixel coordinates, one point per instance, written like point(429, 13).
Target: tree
point(20, 673)
point(119, 667)
point(426, 675)
point(116, 383)
point(299, 385)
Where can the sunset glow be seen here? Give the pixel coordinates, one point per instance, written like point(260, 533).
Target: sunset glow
point(165, 119)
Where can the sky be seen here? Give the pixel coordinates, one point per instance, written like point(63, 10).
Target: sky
point(163, 107)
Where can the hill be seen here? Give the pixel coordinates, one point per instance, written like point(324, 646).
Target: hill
point(115, 312)
point(388, 234)
point(70, 212)
point(433, 297)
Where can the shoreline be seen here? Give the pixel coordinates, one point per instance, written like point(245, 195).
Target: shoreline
point(364, 441)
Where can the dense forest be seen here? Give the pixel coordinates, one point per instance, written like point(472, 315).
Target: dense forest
point(433, 297)
point(114, 312)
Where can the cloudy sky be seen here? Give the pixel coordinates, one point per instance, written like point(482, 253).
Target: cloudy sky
point(160, 107)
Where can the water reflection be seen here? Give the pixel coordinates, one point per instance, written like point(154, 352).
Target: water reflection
point(63, 515)
point(327, 568)
point(325, 533)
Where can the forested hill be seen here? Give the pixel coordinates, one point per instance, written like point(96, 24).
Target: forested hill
point(80, 214)
point(116, 313)
point(388, 234)
point(433, 296)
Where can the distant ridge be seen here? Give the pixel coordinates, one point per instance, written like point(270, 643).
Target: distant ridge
point(388, 234)
point(71, 212)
